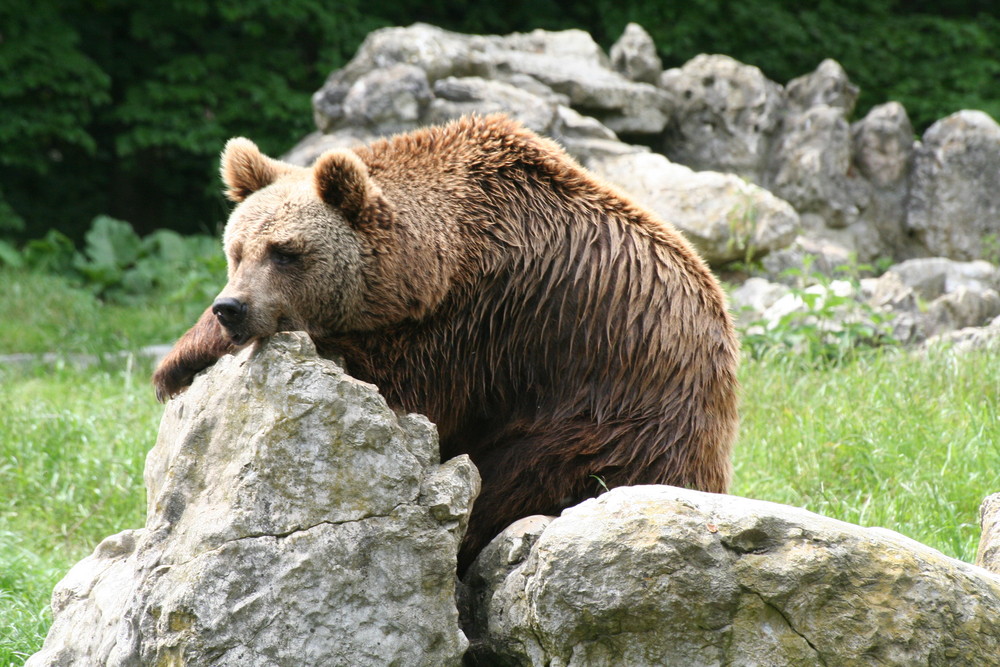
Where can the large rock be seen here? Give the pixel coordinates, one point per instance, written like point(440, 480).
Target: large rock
point(812, 166)
point(663, 576)
point(379, 89)
point(828, 85)
point(988, 554)
point(293, 519)
point(955, 195)
point(634, 55)
point(724, 115)
point(930, 297)
point(882, 144)
point(725, 217)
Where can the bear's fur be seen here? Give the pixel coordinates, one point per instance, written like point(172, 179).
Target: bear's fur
point(562, 336)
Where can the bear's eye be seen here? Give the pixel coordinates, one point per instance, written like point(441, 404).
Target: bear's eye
point(284, 256)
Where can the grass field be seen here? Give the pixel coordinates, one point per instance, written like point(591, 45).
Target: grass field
point(890, 439)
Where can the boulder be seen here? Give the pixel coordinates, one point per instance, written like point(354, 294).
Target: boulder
point(988, 554)
point(882, 145)
point(292, 519)
point(724, 114)
point(657, 575)
point(932, 277)
point(455, 97)
point(634, 55)
point(827, 86)
point(811, 167)
point(749, 301)
point(379, 88)
point(933, 296)
point(966, 340)
point(954, 200)
point(725, 217)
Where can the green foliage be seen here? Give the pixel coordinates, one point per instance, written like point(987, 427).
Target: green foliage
point(42, 312)
point(118, 265)
point(827, 326)
point(72, 445)
point(891, 438)
point(121, 107)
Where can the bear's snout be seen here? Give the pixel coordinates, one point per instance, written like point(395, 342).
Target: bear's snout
point(230, 312)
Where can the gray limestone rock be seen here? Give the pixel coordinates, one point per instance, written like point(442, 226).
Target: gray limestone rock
point(882, 145)
point(954, 204)
point(811, 166)
point(827, 86)
point(657, 575)
point(634, 55)
point(725, 217)
point(988, 554)
point(724, 115)
point(455, 97)
point(293, 519)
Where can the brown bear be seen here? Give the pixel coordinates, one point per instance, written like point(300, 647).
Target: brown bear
point(558, 333)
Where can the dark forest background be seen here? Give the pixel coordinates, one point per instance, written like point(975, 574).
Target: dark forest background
point(119, 108)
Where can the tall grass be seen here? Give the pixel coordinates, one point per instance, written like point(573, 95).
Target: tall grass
point(72, 448)
point(892, 439)
point(886, 438)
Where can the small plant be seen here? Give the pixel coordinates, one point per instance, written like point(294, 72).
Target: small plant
point(600, 480)
point(820, 321)
point(119, 266)
point(990, 248)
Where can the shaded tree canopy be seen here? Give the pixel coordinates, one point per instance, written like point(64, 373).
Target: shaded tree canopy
point(120, 107)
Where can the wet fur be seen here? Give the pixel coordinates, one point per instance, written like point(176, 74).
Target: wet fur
point(552, 329)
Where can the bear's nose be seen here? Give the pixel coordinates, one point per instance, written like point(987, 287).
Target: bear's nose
point(230, 311)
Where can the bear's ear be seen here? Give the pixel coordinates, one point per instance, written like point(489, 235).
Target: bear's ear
point(246, 170)
point(342, 181)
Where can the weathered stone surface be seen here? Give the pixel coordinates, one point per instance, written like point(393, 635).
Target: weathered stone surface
point(315, 144)
point(455, 97)
point(967, 340)
point(824, 255)
point(827, 86)
point(988, 554)
point(388, 100)
point(724, 114)
point(749, 301)
point(380, 90)
point(725, 217)
point(812, 166)
point(292, 519)
point(634, 55)
point(955, 194)
point(882, 143)
point(664, 576)
point(932, 296)
point(931, 277)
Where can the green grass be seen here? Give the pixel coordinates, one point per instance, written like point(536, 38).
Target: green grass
point(41, 313)
point(892, 439)
point(889, 439)
point(72, 448)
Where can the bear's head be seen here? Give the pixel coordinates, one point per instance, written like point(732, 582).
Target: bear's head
point(303, 246)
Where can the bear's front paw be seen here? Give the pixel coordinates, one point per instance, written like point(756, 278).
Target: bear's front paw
point(169, 380)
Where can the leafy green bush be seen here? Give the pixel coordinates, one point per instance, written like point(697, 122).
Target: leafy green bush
point(119, 266)
point(824, 323)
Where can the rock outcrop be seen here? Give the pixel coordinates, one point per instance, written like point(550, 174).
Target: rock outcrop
point(657, 575)
point(955, 192)
point(293, 519)
point(864, 189)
